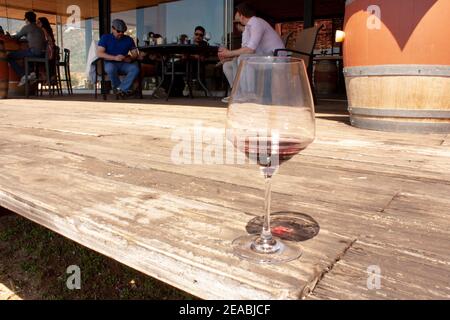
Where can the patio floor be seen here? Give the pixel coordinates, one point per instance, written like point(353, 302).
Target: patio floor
point(102, 175)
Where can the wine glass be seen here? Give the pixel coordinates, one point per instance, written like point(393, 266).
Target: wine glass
point(270, 119)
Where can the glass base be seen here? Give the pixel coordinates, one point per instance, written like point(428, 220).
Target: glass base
point(250, 248)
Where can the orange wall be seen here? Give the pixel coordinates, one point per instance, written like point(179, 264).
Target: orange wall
point(411, 32)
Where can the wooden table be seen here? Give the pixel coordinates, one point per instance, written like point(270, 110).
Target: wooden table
point(188, 49)
point(102, 175)
point(11, 45)
point(190, 52)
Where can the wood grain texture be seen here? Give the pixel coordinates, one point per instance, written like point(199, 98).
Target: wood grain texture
point(101, 174)
point(7, 294)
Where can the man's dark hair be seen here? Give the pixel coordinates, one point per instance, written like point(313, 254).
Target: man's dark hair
point(246, 10)
point(200, 28)
point(30, 16)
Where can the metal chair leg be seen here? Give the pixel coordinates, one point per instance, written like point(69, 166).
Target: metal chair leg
point(189, 78)
point(27, 89)
point(95, 85)
point(70, 79)
point(163, 71)
point(103, 89)
point(172, 80)
point(49, 82)
point(58, 80)
point(66, 80)
point(205, 89)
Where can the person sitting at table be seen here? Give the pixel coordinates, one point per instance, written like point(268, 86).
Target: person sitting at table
point(36, 46)
point(44, 24)
point(150, 38)
point(184, 39)
point(153, 38)
point(260, 39)
point(199, 35)
point(119, 52)
point(158, 39)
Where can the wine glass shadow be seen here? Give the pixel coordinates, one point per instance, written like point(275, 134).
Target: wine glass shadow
point(287, 225)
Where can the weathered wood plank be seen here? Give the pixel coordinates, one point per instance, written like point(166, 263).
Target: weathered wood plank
point(413, 254)
point(369, 218)
point(101, 174)
point(241, 175)
point(402, 276)
point(389, 156)
point(7, 294)
point(184, 242)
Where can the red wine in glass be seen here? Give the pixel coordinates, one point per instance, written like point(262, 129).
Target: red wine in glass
point(268, 152)
point(270, 119)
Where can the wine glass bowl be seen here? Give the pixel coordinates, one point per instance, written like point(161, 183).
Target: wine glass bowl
point(270, 119)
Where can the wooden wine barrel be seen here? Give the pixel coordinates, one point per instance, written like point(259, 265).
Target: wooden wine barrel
point(4, 72)
point(325, 76)
point(397, 64)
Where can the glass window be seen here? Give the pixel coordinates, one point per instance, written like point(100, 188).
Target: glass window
point(78, 26)
point(184, 16)
point(75, 23)
point(174, 18)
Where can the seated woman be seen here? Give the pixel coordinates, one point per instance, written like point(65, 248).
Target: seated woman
point(184, 39)
point(44, 24)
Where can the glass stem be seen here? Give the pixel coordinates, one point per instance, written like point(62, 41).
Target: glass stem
point(267, 233)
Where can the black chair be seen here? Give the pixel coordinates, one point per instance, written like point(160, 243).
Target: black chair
point(55, 76)
point(105, 84)
point(65, 63)
point(287, 37)
point(305, 43)
point(49, 65)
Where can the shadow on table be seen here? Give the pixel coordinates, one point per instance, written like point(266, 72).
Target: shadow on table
point(287, 225)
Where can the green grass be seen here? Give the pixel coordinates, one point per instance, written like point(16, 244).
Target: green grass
point(35, 261)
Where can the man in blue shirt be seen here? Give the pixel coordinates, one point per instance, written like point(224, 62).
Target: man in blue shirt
point(119, 52)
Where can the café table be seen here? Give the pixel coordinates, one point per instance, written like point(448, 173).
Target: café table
point(11, 45)
point(190, 53)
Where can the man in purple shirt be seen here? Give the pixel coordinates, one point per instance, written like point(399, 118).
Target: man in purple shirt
point(258, 38)
point(119, 52)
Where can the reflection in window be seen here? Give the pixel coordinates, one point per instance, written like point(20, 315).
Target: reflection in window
point(170, 19)
point(175, 18)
